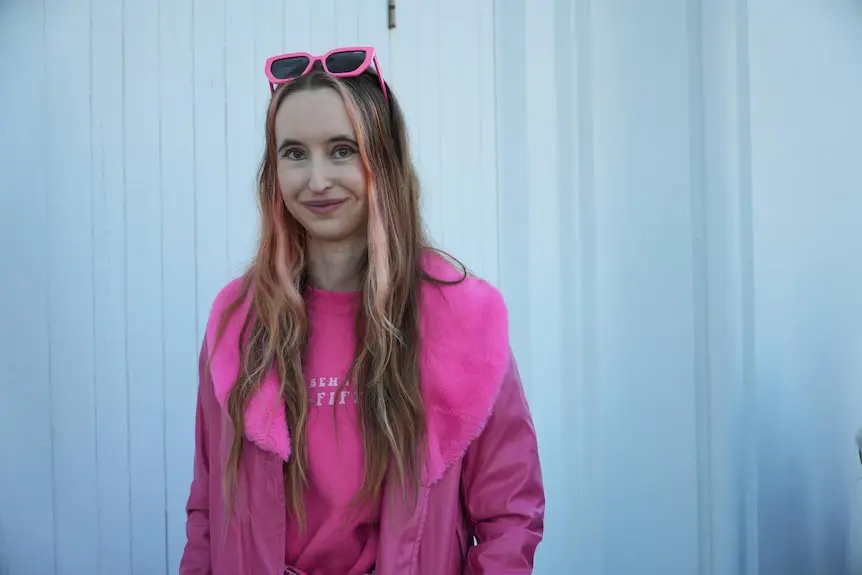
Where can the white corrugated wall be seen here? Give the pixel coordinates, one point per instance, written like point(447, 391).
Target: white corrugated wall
point(679, 202)
point(668, 196)
point(131, 136)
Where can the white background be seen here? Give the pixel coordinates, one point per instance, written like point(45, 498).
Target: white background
point(668, 193)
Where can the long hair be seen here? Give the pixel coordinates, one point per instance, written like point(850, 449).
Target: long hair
point(385, 370)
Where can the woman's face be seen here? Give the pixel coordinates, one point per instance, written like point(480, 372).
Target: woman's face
point(320, 171)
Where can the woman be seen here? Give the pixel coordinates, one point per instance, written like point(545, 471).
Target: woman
point(359, 409)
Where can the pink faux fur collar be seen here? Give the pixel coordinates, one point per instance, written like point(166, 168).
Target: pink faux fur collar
point(464, 357)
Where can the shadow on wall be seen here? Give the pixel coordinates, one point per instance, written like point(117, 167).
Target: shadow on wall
point(4, 556)
point(854, 534)
point(808, 472)
point(782, 510)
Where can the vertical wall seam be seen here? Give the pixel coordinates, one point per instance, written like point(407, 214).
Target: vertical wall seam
point(749, 536)
point(226, 165)
point(700, 290)
point(497, 156)
point(126, 290)
point(195, 224)
point(587, 303)
point(47, 263)
point(94, 356)
point(164, 370)
point(572, 356)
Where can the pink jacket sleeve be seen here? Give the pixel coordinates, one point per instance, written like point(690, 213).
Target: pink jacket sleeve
point(196, 555)
point(503, 489)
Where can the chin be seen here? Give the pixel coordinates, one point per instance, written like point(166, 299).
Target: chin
point(332, 234)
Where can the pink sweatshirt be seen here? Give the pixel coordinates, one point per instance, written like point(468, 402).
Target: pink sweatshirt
point(480, 507)
point(339, 538)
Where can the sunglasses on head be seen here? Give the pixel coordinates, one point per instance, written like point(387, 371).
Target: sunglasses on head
point(341, 62)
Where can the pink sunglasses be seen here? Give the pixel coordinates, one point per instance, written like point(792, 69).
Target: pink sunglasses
point(345, 62)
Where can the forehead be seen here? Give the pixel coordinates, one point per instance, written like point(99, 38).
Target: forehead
point(313, 116)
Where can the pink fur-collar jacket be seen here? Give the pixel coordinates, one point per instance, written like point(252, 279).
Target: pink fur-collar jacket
point(481, 504)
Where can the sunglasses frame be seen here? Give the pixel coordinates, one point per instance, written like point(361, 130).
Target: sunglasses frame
point(370, 59)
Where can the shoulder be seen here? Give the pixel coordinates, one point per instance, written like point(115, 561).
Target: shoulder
point(228, 301)
point(228, 295)
point(450, 287)
point(464, 357)
point(466, 318)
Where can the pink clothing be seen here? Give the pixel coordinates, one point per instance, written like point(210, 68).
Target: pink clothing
point(339, 538)
point(480, 507)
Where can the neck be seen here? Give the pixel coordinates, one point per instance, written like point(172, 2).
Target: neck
point(335, 266)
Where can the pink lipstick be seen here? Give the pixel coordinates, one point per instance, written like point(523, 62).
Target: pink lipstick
point(323, 206)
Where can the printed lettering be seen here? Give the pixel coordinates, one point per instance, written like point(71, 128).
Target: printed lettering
point(335, 394)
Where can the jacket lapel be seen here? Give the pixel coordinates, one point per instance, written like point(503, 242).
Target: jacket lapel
point(464, 356)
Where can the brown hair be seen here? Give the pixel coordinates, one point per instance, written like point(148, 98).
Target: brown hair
point(386, 368)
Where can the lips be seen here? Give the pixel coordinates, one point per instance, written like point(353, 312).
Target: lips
point(323, 206)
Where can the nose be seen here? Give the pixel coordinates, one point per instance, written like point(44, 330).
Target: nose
point(319, 179)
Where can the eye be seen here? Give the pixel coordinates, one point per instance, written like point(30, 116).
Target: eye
point(343, 152)
point(294, 154)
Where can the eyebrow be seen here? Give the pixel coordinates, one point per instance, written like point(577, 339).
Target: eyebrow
point(286, 143)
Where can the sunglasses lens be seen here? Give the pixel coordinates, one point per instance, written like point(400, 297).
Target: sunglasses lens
point(345, 62)
point(289, 68)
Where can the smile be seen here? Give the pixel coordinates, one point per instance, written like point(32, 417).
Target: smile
point(323, 206)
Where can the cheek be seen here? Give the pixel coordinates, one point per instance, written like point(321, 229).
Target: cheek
point(290, 183)
point(357, 182)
